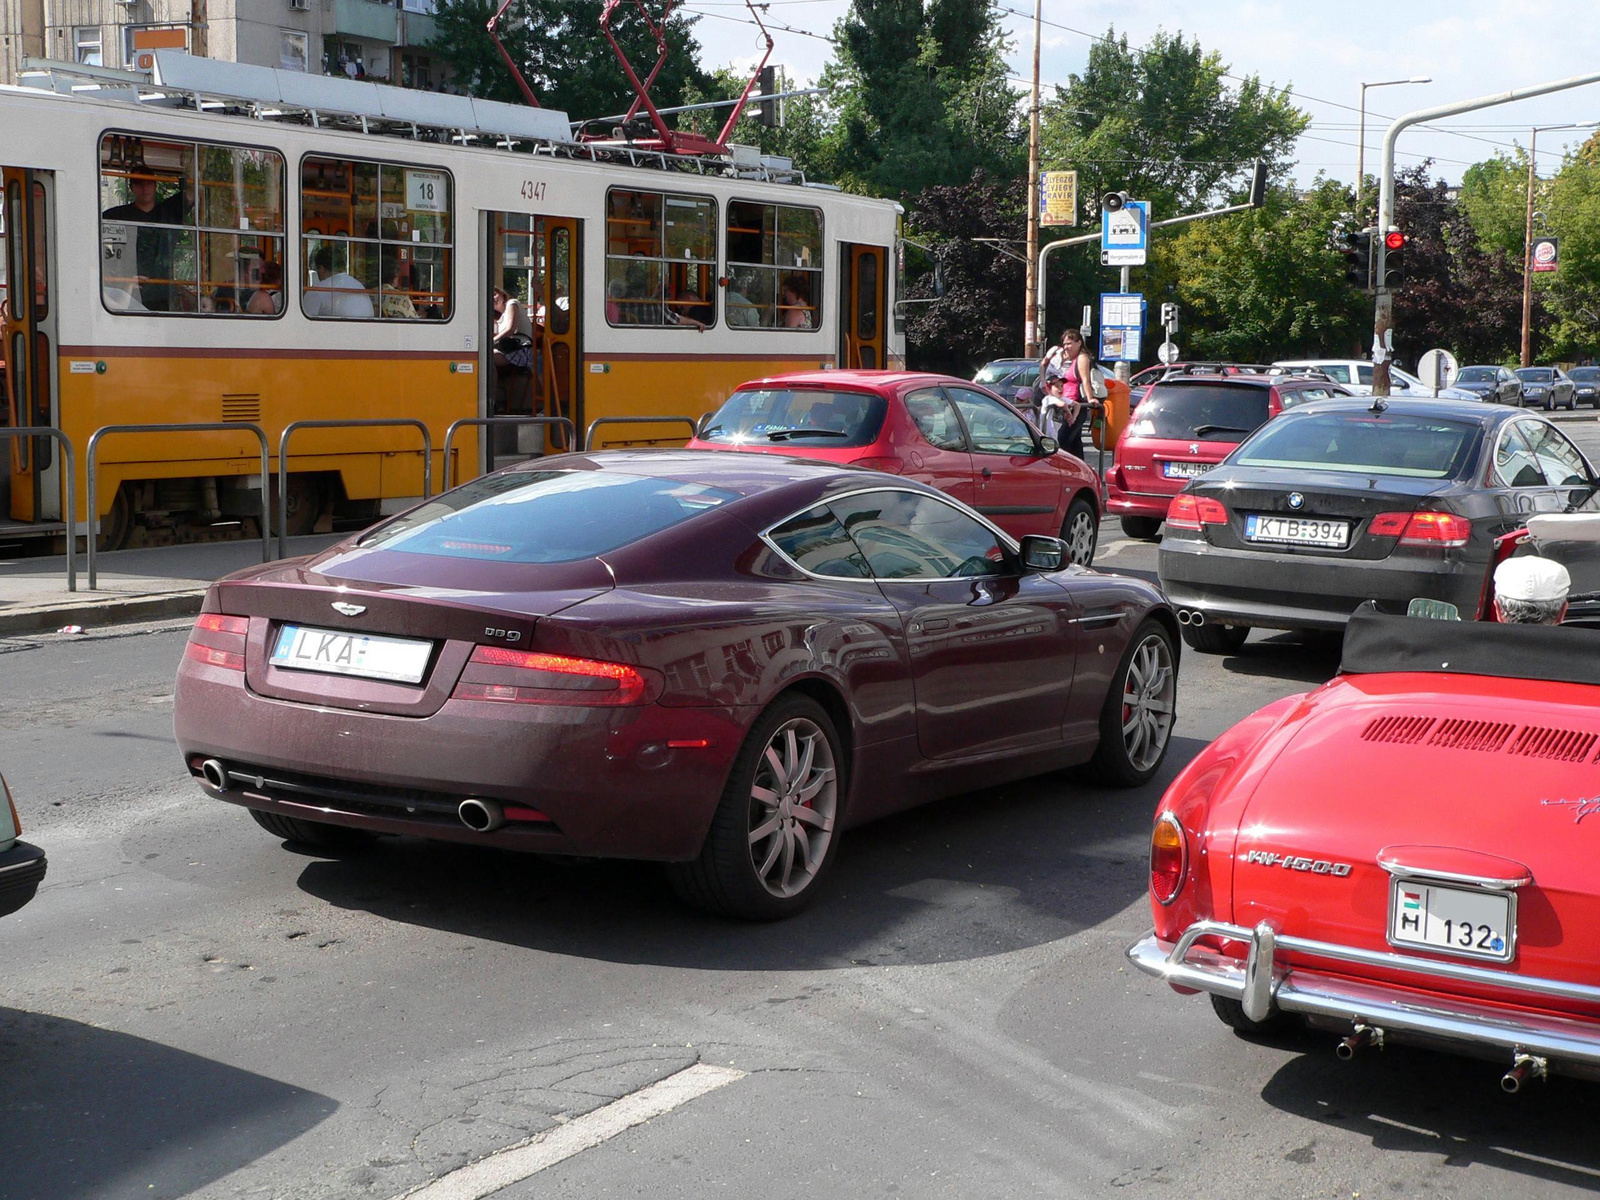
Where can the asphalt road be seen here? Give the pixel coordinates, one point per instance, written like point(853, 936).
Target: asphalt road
point(191, 1009)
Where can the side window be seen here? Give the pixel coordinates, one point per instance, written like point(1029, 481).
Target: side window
point(661, 259)
point(908, 536)
point(1514, 462)
point(1337, 372)
point(190, 227)
point(774, 266)
point(936, 419)
point(995, 429)
point(815, 541)
point(1560, 460)
point(377, 239)
point(1364, 375)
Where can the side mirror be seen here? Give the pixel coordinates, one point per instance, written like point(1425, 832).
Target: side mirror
point(1041, 553)
point(1048, 446)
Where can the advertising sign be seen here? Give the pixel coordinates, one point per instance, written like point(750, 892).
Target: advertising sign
point(1546, 253)
point(1058, 198)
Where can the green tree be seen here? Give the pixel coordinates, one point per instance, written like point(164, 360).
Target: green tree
point(564, 56)
point(802, 136)
point(1572, 295)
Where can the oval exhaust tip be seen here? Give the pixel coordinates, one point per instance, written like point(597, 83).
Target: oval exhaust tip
point(482, 816)
point(214, 773)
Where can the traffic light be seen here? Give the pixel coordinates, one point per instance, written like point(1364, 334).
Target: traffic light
point(1356, 249)
point(1393, 259)
point(1169, 317)
point(767, 110)
point(1114, 201)
point(1258, 185)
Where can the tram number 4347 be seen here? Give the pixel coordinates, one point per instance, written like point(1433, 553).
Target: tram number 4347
point(532, 190)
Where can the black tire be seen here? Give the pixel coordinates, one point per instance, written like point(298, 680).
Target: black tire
point(1141, 528)
point(1216, 638)
point(313, 833)
point(1080, 530)
point(1549, 402)
point(725, 879)
point(1114, 761)
point(307, 499)
point(1231, 1014)
point(116, 530)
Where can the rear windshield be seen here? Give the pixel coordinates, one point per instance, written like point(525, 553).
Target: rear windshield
point(1362, 443)
point(1477, 375)
point(545, 516)
point(1200, 412)
point(998, 372)
point(802, 417)
point(1536, 374)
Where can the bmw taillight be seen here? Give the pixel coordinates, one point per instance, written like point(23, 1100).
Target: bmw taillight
point(497, 674)
point(1193, 512)
point(1169, 857)
point(218, 640)
point(1443, 530)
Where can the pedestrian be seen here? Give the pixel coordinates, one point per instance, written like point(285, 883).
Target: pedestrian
point(1056, 362)
point(1078, 389)
point(1052, 409)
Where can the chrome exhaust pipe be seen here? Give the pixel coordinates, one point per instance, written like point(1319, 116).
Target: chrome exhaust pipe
point(1197, 618)
point(214, 773)
point(482, 816)
point(1364, 1035)
point(1522, 1067)
point(1184, 616)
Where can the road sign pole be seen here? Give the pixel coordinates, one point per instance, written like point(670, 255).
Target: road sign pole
point(1124, 371)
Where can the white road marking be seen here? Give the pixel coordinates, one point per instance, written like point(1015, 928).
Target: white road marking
point(515, 1163)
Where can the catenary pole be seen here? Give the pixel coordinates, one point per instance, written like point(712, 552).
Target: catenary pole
point(1030, 312)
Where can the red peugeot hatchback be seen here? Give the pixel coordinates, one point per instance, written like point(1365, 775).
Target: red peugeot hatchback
point(936, 429)
point(1184, 426)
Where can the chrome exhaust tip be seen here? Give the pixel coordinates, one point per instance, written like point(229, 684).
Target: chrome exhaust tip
point(1183, 616)
point(1197, 618)
point(1364, 1035)
point(481, 816)
point(215, 774)
point(1524, 1067)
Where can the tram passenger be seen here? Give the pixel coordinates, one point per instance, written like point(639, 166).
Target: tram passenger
point(154, 249)
point(795, 305)
point(741, 310)
point(513, 333)
point(688, 308)
point(397, 303)
point(267, 299)
point(336, 293)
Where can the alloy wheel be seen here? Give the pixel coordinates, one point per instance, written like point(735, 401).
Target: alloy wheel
point(1080, 537)
point(1148, 694)
point(793, 803)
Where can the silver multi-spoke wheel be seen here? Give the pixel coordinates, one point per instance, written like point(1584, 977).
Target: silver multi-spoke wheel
point(1080, 534)
point(1148, 693)
point(794, 800)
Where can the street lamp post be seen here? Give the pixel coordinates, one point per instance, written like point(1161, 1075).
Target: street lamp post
point(1361, 136)
point(1527, 237)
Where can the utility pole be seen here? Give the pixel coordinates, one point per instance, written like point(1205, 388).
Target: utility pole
point(1383, 307)
point(1030, 304)
point(1527, 237)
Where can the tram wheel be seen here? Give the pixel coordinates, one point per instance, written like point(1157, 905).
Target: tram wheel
point(116, 529)
point(306, 499)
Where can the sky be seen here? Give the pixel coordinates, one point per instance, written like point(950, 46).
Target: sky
point(1322, 49)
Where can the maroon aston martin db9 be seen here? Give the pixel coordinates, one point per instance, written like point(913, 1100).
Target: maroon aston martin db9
point(719, 661)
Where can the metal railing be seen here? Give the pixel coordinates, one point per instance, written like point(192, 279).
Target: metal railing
point(588, 437)
point(180, 427)
point(365, 423)
point(486, 422)
point(69, 485)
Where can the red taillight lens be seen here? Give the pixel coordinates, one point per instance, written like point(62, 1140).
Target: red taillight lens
point(218, 640)
point(1443, 530)
point(1192, 512)
point(1211, 511)
point(1169, 856)
point(531, 677)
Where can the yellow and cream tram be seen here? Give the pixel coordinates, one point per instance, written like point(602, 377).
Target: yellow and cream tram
point(220, 243)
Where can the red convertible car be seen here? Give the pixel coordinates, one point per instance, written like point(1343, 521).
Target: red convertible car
point(1405, 854)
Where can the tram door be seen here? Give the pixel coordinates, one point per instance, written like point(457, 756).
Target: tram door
point(29, 346)
point(561, 358)
point(861, 306)
point(535, 259)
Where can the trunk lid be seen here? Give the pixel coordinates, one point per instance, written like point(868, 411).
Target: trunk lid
point(1453, 768)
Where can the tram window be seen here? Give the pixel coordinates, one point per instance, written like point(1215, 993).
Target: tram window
point(41, 240)
point(377, 240)
point(661, 259)
point(194, 228)
point(774, 266)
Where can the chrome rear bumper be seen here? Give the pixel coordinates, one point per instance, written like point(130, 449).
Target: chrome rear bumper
point(1261, 985)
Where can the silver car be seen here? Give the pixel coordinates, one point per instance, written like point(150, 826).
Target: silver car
point(1547, 388)
point(1585, 385)
point(1494, 384)
point(21, 865)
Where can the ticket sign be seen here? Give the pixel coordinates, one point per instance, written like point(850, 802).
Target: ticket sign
point(1546, 253)
point(1058, 198)
point(427, 191)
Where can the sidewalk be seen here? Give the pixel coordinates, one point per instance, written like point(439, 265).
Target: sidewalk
point(134, 585)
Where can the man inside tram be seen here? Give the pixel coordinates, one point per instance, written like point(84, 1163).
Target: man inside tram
point(154, 249)
point(336, 293)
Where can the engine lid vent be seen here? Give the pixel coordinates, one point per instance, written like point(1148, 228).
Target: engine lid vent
point(1405, 730)
point(1459, 734)
point(1563, 745)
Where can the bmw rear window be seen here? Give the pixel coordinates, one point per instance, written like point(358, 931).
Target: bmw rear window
point(781, 417)
point(1361, 442)
point(545, 516)
point(1201, 412)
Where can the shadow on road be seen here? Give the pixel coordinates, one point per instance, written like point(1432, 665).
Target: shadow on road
point(1419, 1102)
point(976, 875)
point(88, 1113)
point(1311, 656)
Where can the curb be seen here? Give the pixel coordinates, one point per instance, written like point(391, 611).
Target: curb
point(101, 612)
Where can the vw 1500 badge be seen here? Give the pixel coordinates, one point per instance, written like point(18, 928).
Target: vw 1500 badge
point(1294, 862)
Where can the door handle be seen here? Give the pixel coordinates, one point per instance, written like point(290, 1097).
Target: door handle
point(987, 473)
point(935, 623)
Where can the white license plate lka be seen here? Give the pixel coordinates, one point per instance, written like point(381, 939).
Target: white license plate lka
point(1185, 470)
point(340, 652)
point(1297, 531)
point(1465, 921)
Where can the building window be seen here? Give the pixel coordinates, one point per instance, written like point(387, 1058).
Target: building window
point(774, 266)
point(416, 71)
point(377, 239)
point(86, 46)
point(190, 227)
point(660, 259)
point(293, 51)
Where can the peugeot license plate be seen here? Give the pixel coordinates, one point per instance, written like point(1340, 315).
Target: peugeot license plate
point(1297, 531)
point(1185, 470)
point(1465, 921)
point(337, 652)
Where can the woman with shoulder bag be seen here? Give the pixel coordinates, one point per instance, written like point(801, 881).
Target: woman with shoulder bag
point(1078, 390)
point(513, 333)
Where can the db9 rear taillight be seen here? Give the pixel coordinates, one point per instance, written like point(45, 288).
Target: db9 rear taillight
point(505, 676)
point(1169, 858)
point(218, 640)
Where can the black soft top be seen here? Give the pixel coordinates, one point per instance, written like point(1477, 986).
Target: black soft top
point(1376, 643)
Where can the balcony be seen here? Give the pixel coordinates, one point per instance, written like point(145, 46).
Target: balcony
point(365, 19)
point(421, 28)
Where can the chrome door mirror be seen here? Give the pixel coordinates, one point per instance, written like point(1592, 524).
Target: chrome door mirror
point(1042, 553)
